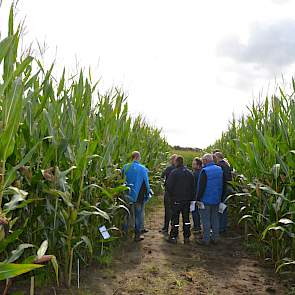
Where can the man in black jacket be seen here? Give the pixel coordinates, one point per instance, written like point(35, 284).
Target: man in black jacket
point(167, 202)
point(181, 189)
point(227, 177)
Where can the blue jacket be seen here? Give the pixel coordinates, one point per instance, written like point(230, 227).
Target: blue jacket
point(214, 184)
point(135, 175)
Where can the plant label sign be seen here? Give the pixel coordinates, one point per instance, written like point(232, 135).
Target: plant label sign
point(104, 232)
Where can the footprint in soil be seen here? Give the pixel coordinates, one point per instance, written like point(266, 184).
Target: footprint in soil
point(271, 290)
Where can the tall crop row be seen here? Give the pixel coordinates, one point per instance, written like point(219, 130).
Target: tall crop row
point(261, 147)
point(61, 145)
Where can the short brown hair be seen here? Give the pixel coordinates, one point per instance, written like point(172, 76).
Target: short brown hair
point(135, 155)
point(174, 156)
point(179, 161)
point(198, 161)
point(216, 151)
point(219, 155)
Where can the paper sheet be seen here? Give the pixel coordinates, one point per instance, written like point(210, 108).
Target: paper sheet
point(104, 232)
point(193, 206)
point(201, 205)
point(222, 207)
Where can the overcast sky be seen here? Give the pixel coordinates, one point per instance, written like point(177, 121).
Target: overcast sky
point(186, 65)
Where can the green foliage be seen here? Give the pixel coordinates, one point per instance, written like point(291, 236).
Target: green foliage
point(261, 146)
point(187, 155)
point(11, 270)
point(62, 144)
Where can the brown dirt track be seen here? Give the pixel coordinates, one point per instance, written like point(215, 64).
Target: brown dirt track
point(156, 267)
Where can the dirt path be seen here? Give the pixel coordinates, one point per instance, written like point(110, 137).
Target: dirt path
point(156, 267)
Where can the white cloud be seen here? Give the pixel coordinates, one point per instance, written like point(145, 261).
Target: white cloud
point(281, 1)
point(268, 46)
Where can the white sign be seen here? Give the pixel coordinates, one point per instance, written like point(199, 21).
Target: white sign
point(104, 232)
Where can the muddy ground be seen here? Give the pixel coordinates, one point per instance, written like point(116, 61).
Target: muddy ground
point(156, 267)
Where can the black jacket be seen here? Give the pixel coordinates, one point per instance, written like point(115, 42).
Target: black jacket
point(227, 170)
point(181, 185)
point(227, 176)
point(166, 173)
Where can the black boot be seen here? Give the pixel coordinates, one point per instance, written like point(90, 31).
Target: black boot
point(172, 240)
point(186, 241)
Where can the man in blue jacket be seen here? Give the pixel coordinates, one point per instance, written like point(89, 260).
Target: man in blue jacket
point(136, 176)
point(210, 191)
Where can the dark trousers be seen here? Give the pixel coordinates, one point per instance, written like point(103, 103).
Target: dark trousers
point(182, 208)
point(223, 221)
point(168, 211)
point(196, 219)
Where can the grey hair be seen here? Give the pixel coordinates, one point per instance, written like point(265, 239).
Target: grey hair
point(207, 158)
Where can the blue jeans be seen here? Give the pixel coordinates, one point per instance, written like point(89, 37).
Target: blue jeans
point(142, 217)
point(196, 219)
point(135, 218)
point(210, 220)
point(138, 216)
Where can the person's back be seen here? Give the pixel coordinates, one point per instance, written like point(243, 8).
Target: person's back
point(210, 190)
point(181, 184)
point(214, 186)
point(136, 177)
point(167, 204)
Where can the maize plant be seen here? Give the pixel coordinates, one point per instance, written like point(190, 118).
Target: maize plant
point(261, 147)
point(62, 144)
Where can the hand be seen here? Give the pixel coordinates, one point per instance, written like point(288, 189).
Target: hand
point(201, 205)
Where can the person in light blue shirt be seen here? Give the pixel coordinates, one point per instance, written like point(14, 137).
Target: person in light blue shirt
point(136, 177)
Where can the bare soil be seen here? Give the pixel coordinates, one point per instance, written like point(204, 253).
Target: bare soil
point(154, 266)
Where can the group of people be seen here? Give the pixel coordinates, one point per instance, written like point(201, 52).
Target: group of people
point(201, 192)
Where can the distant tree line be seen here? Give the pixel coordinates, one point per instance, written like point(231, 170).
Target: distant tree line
point(180, 148)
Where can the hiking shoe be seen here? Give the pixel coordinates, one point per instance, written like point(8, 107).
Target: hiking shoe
point(202, 243)
point(172, 240)
point(163, 229)
point(197, 231)
point(186, 241)
point(139, 238)
point(165, 233)
point(144, 231)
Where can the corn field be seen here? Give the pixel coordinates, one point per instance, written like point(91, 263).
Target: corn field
point(62, 144)
point(261, 147)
